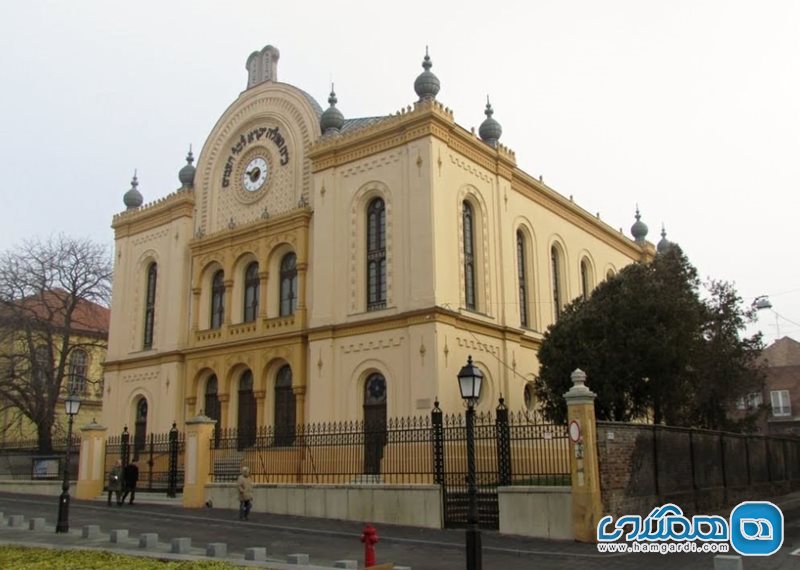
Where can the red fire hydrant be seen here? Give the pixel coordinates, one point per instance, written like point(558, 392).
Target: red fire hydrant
point(369, 537)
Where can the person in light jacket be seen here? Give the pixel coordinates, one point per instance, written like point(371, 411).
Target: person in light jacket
point(245, 486)
point(115, 482)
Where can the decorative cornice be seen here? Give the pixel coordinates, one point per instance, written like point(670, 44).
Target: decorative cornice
point(296, 219)
point(143, 360)
point(172, 207)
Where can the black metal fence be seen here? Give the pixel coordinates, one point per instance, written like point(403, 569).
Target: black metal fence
point(511, 449)
point(159, 456)
point(21, 459)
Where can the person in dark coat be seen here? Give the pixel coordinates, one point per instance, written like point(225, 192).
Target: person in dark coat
point(130, 477)
point(115, 482)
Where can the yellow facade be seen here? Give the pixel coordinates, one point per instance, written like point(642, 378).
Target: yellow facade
point(313, 202)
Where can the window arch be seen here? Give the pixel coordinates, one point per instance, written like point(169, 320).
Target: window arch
point(376, 254)
point(468, 216)
point(150, 305)
point(217, 299)
point(288, 292)
point(246, 417)
point(284, 407)
point(522, 280)
point(586, 278)
point(251, 290)
point(555, 268)
point(78, 362)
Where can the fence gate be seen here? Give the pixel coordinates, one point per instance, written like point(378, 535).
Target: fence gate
point(158, 456)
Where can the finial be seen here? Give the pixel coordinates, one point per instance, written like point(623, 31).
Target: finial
point(664, 244)
point(186, 174)
point(639, 228)
point(332, 120)
point(490, 130)
point(133, 198)
point(427, 84)
point(426, 62)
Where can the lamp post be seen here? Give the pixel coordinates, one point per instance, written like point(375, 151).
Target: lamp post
point(71, 406)
point(470, 379)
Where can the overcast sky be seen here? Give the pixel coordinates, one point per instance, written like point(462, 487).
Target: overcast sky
point(689, 108)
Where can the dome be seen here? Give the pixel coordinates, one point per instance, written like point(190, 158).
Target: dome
point(490, 130)
point(427, 84)
point(639, 228)
point(186, 174)
point(332, 119)
point(663, 244)
point(133, 198)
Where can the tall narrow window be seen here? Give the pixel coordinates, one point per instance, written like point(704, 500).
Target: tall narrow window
point(217, 299)
point(284, 407)
point(41, 366)
point(586, 283)
point(212, 408)
point(150, 305)
point(251, 284)
point(555, 263)
point(522, 280)
point(376, 255)
point(247, 411)
point(469, 255)
point(77, 371)
point(288, 284)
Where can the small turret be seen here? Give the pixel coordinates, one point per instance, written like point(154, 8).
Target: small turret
point(133, 198)
point(490, 130)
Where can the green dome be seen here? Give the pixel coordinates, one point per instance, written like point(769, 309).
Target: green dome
point(427, 84)
point(133, 198)
point(490, 130)
point(332, 119)
point(186, 174)
point(639, 228)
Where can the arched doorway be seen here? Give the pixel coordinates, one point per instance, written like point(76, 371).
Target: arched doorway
point(374, 422)
point(211, 406)
point(284, 407)
point(247, 411)
point(140, 428)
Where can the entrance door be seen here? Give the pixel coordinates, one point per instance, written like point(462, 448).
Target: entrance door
point(374, 423)
point(247, 411)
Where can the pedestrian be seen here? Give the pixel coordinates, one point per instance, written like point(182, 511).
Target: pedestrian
point(130, 477)
point(115, 482)
point(245, 486)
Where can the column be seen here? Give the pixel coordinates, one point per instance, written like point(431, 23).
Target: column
point(260, 396)
point(228, 302)
point(196, 308)
point(224, 402)
point(197, 460)
point(263, 279)
point(91, 464)
point(587, 506)
point(299, 404)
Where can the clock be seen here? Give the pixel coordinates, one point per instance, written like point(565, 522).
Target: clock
point(255, 174)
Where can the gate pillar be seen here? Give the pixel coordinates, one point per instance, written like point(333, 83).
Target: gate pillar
point(91, 465)
point(197, 462)
point(587, 507)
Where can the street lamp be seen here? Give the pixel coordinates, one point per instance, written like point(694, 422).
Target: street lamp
point(71, 406)
point(470, 380)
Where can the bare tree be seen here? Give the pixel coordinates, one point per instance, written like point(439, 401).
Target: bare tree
point(53, 299)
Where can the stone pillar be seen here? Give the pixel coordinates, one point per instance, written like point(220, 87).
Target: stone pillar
point(196, 308)
point(299, 404)
point(263, 278)
point(228, 302)
point(587, 506)
point(224, 404)
point(91, 463)
point(197, 460)
point(260, 396)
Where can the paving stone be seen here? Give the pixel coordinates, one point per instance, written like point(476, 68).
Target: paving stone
point(36, 523)
point(217, 549)
point(352, 564)
point(148, 540)
point(90, 531)
point(402, 568)
point(16, 520)
point(181, 545)
point(119, 535)
point(257, 553)
point(727, 562)
point(297, 559)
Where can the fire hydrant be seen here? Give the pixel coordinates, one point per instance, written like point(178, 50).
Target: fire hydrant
point(369, 537)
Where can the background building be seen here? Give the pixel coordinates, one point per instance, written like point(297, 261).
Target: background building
point(315, 267)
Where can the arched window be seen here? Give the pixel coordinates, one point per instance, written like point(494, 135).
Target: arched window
point(150, 305)
point(522, 280)
point(212, 406)
point(140, 429)
point(247, 411)
point(609, 274)
point(41, 366)
point(376, 255)
point(374, 422)
point(251, 285)
point(217, 299)
point(555, 263)
point(284, 407)
point(77, 371)
point(586, 278)
point(288, 284)
point(469, 255)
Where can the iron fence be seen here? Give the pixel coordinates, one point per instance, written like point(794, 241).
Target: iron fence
point(22, 459)
point(159, 456)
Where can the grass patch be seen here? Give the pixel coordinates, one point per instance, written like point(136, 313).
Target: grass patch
point(53, 559)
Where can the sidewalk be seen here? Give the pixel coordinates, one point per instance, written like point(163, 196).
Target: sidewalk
point(326, 541)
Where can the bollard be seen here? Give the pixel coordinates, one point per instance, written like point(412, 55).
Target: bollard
point(369, 537)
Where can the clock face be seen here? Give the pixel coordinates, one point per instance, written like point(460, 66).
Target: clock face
point(255, 174)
